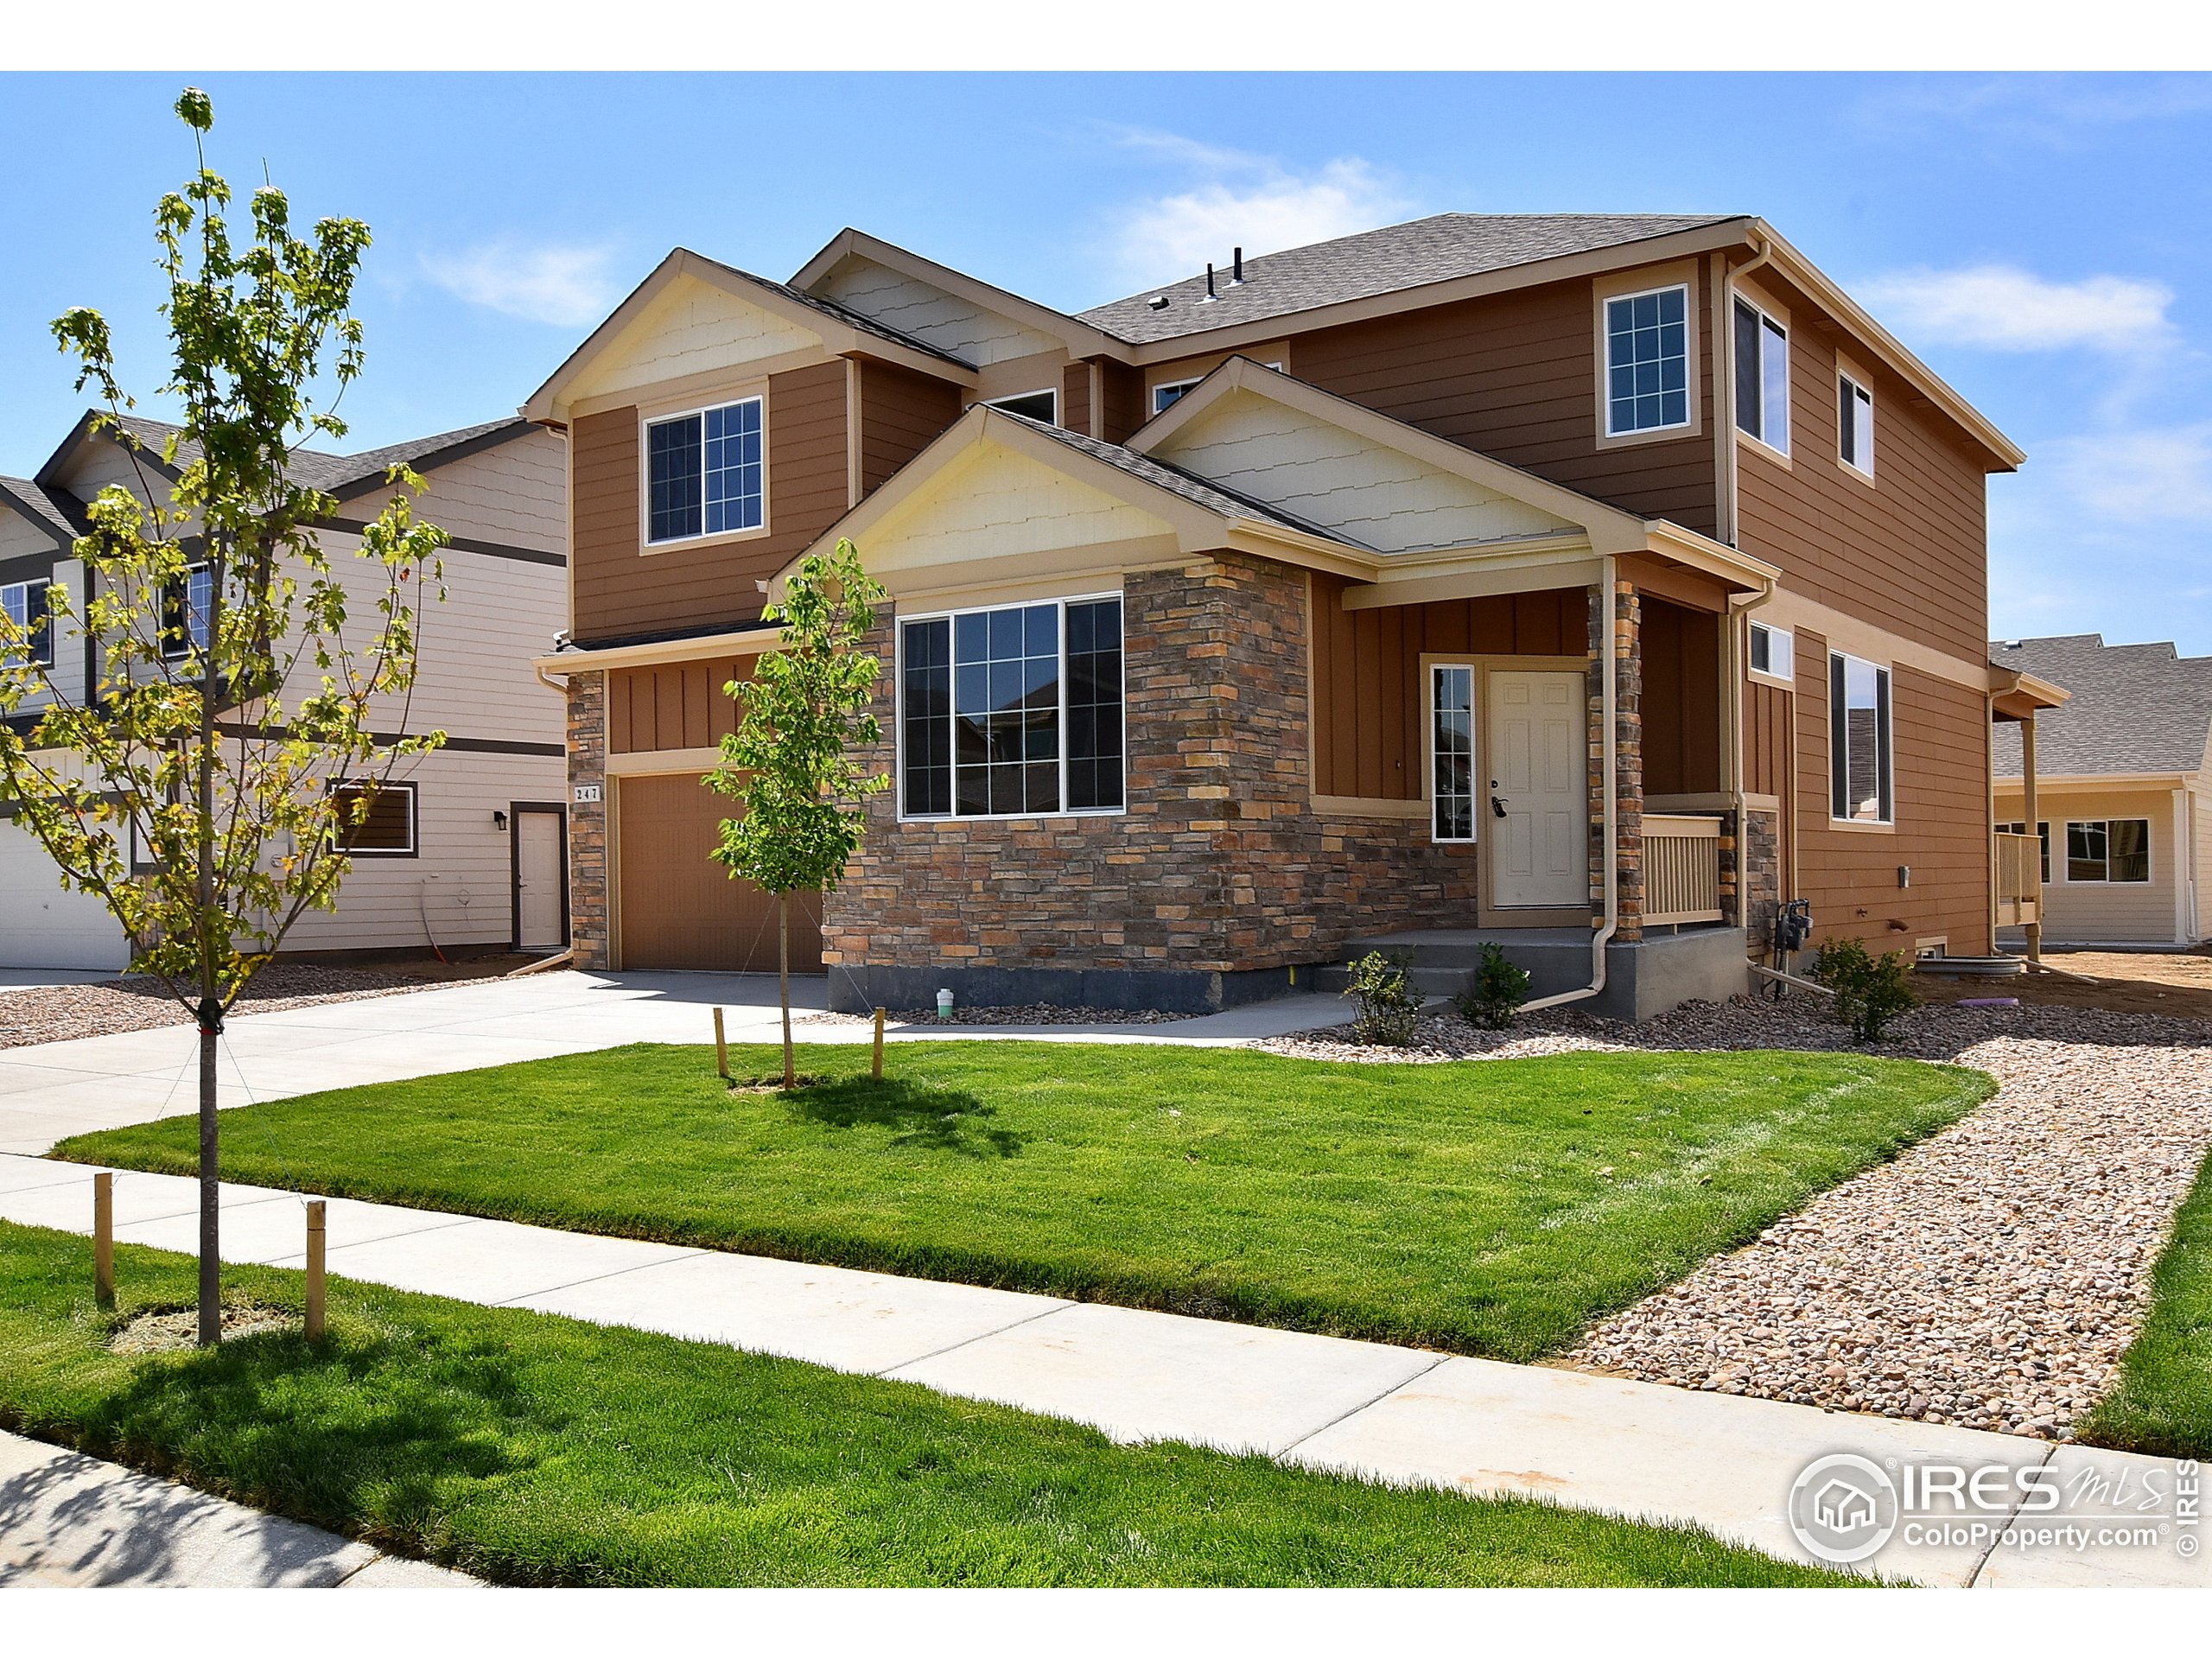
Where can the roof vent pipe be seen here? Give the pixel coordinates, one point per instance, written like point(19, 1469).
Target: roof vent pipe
point(1210, 294)
point(1157, 302)
point(1236, 270)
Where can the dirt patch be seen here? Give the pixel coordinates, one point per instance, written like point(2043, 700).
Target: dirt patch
point(2177, 984)
point(171, 1330)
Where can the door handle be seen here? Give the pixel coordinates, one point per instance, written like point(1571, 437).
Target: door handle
point(1497, 807)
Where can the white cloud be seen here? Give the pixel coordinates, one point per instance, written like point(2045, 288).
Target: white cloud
point(567, 286)
point(2004, 309)
point(1242, 200)
point(2152, 476)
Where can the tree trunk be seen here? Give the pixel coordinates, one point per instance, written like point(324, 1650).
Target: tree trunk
point(210, 1012)
point(784, 982)
point(211, 1260)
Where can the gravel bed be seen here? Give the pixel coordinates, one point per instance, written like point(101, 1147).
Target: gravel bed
point(52, 1014)
point(1990, 1276)
point(1028, 1014)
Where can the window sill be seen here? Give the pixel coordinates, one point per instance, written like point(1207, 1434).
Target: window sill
point(1647, 435)
point(689, 544)
point(1863, 826)
point(1760, 677)
point(1016, 821)
point(1761, 446)
point(1857, 475)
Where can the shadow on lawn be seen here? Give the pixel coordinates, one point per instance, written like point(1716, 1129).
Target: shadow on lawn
point(940, 1119)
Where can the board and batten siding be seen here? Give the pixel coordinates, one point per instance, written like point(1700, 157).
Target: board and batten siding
point(1514, 376)
point(1681, 701)
point(1367, 693)
point(1940, 771)
point(672, 705)
point(621, 589)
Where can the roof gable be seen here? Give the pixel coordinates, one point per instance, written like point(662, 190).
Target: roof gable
point(928, 313)
point(827, 274)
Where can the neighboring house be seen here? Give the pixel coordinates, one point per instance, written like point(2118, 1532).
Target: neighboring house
point(1247, 619)
point(469, 850)
point(2121, 781)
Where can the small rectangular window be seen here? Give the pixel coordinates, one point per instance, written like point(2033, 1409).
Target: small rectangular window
point(376, 820)
point(1037, 405)
point(1647, 361)
point(1762, 377)
point(1163, 396)
point(30, 639)
point(1774, 652)
point(1855, 425)
point(2108, 850)
point(1452, 691)
point(1858, 740)
point(704, 473)
point(188, 606)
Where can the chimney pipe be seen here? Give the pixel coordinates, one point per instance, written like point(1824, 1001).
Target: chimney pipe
point(1210, 293)
point(1237, 271)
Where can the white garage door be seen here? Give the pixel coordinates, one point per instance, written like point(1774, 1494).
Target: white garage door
point(42, 925)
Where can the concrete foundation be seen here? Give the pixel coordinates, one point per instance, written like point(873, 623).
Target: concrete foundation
point(1643, 977)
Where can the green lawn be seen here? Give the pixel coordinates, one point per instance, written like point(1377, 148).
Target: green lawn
point(1493, 1208)
point(535, 1450)
point(2163, 1403)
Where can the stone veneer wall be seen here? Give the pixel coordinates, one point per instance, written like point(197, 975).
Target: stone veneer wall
point(1219, 864)
point(1627, 641)
point(587, 918)
point(1762, 879)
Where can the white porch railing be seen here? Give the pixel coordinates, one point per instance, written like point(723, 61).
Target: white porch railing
point(1682, 868)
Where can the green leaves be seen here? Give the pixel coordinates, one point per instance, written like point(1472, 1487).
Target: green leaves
point(196, 109)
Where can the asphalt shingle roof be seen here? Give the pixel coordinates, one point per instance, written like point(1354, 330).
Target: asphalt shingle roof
point(59, 512)
point(335, 474)
point(1433, 250)
point(2132, 708)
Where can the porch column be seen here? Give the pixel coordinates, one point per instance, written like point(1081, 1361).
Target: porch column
point(1617, 627)
point(2028, 793)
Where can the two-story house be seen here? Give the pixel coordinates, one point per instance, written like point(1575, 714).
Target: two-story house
point(467, 850)
point(1590, 582)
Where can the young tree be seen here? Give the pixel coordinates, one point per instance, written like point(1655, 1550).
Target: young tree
point(791, 759)
point(204, 789)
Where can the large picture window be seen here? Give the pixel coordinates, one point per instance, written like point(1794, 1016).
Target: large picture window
point(1451, 746)
point(1858, 740)
point(1013, 712)
point(703, 472)
point(1762, 377)
point(1647, 361)
point(2108, 850)
point(24, 604)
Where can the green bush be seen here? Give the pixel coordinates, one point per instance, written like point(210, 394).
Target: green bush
point(1499, 989)
point(1383, 990)
point(1871, 991)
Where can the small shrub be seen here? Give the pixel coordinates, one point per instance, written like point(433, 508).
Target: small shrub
point(1383, 990)
point(1499, 989)
point(1870, 991)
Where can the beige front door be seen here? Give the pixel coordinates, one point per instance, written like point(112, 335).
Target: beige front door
point(540, 921)
point(1537, 810)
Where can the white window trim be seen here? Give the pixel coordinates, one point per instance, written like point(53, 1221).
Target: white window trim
point(1888, 742)
point(1436, 666)
point(178, 656)
point(1052, 392)
point(1176, 386)
point(2062, 854)
point(1771, 319)
point(1767, 676)
point(414, 825)
point(1863, 467)
point(1606, 303)
point(898, 714)
point(25, 589)
point(645, 424)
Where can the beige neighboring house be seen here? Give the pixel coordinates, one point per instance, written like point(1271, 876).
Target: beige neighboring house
point(470, 853)
point(2124, 790)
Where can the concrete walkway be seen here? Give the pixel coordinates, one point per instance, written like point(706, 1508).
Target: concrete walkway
point(52, 1091)
point(67, 1520)
point(1367, 1409)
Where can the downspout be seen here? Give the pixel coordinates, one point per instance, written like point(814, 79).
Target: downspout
point(1606, 682)
point(1738, 665)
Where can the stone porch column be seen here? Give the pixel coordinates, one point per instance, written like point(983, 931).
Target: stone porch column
point(589, 937)
point(1617, 626)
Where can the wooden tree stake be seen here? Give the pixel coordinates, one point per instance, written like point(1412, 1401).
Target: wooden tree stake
point(878, 1044)
point(104, 1239)
point(315, 1213)
point(721, 1048)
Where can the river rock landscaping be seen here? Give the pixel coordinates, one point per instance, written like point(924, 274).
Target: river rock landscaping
point(1990, 1276)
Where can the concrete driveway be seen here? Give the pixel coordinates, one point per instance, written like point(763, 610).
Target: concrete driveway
point(52, 1091)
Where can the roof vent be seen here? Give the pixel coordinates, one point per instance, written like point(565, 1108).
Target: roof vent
point(1210, 294)
point(1236, 269)
point(1157, 302)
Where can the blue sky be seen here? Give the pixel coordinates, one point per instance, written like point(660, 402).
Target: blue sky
point(2042, 241)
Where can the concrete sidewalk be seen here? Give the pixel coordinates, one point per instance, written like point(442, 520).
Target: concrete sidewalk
point(52, 1091)
point(1367, 1409)
point(69, 1519)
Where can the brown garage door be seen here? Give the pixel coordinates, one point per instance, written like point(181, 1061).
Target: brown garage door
point(680, 909)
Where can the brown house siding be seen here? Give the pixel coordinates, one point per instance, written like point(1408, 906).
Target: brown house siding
point(1075, 398)
point(901, 413)
point(1909, 550)
point(1941, 771)
point(1367, 691)
point(677, 706)
point(621, 590)
point(1681, 700)
point(1121, 409)
point(1514, 376)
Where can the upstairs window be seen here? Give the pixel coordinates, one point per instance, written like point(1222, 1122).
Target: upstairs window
point(1647, 361)
point(188, 606)
point(1774, 652)
point(1762, 377)
point(703, 472)
point(1163, 396)
point(1037, 405)
point(31, 638)
point(1014, 712)
point(376, 820)
point(1858, 740)
point(2108, 850)
point(1854, 425)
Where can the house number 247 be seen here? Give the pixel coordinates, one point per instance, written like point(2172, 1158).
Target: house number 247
point(587, 792)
